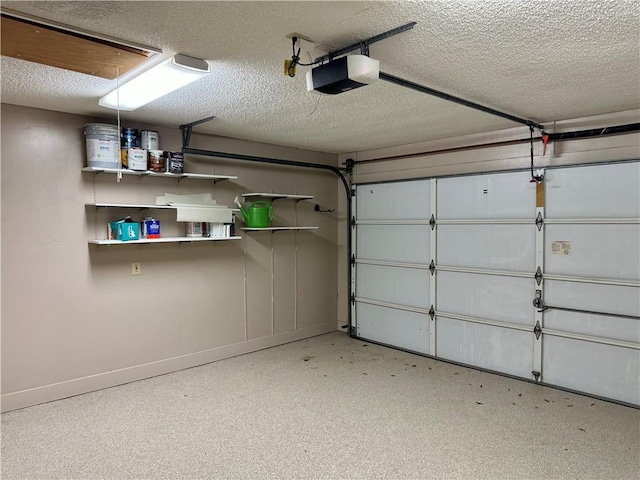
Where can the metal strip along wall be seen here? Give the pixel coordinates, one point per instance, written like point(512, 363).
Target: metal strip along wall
point(554, 300)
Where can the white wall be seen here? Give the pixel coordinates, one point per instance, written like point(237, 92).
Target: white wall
point(74, 319)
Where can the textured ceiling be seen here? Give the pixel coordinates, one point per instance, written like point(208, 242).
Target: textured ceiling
point(543, 60)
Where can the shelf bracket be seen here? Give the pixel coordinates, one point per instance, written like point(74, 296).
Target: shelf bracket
point(187, 130)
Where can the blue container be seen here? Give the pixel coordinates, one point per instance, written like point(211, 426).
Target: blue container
point(125, 230)
point(151, 228)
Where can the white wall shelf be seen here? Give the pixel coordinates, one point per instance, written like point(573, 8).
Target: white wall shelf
point(129, 205)
point(152, 206)
point(140, 206)
point(148, 173)
point(276, 196)
point(161, 240)
point(275, 229)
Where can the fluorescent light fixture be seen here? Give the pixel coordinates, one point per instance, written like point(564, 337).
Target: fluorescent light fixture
point(167, 76)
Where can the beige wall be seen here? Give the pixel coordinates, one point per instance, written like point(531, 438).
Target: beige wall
point(74, 319)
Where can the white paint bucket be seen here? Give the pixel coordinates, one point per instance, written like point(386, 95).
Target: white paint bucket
point(103, 145)
point(137, 159)
point(149, 140)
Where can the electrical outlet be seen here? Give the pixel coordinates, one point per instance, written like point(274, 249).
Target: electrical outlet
point(136, 269)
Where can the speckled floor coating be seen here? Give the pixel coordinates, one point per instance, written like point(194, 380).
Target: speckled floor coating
point(329, 407)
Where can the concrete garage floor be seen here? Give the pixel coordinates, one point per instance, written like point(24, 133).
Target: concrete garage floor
point(329, 407)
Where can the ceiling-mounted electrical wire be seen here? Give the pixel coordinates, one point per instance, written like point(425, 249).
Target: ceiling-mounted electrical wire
point(315, 108)
point(295, 59)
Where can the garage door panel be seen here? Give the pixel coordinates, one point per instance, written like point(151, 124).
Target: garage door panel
point(505, 195)
point(399, 328)
point(494, 348)
point(597, 191)
point(604, 370)
point(498, 247)
point(614, 328)
point(504, 299)
point(404, 286)
point(605, 251)
point(588, 296)
point(400, 201)
point(394, 243)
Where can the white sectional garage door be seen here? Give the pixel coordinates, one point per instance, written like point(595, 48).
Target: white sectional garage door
point(451, 268)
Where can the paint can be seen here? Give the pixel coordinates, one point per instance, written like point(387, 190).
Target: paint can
point(149, 140)
point(103, 146)
point(137, 159)
point(150, 228)
point(156, 161)
point(195, 229)
point(174, 162)
point(128, 139)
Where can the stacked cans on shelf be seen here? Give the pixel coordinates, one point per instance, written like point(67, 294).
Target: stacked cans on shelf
point(141, 151)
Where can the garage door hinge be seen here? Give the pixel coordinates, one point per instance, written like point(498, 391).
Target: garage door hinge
point(536, 375)
point(432, 267)
point(432, 312)
point(353, 222)
point(432, 221)
point(353, 299)
point(538, 275)
point(353, 259)
point(539, 221)
point(537, 330)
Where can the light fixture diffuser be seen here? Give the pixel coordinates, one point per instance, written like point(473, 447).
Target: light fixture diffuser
point(169, 75)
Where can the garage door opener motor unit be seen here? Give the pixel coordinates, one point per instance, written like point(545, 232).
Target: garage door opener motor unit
point(343, 74)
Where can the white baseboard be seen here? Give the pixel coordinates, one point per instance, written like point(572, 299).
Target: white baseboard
point(77, 386)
